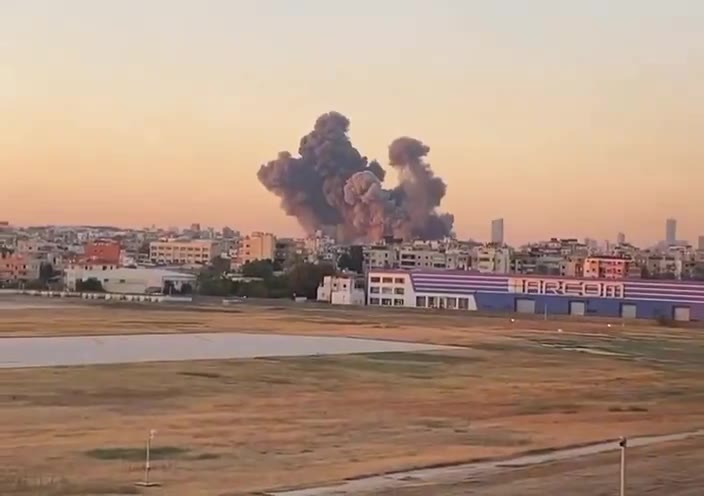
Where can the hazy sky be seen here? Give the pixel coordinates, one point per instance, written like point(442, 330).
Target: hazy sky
point(566, 117)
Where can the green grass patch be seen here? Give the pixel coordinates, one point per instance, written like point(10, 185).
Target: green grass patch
point(137, 454)
point(204, 375)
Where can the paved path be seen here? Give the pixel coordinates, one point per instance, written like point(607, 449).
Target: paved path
point(87, 350)
point(462, 472)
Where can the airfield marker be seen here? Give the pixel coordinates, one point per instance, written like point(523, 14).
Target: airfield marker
point(147, 463)
point(623, 443)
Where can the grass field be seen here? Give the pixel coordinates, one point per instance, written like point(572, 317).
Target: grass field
point(237, 427)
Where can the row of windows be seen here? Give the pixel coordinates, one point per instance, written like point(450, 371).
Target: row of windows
point(171, 250)
point(387, 302)
point(386, 290)
point(450, 303)
point(388, 280)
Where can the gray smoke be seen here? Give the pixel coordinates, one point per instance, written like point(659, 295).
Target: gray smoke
point(331, 185)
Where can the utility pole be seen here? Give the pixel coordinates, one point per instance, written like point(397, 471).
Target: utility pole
point(623, 443)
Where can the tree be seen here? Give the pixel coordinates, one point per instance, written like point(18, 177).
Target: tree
point(305, 278)
point(220, 265)
point(344, 262)
point(263, 269)
point(91, 285)
point(46, 272)
point(357, 258)
point(253, 289)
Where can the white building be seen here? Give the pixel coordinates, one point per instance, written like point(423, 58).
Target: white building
point(341, 290)
point(397, 289)
point(131, 281)
point(492, 259)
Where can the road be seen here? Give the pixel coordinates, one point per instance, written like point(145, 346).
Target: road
point(88, 350)
point(452, 476)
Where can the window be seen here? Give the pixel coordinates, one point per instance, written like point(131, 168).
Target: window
point(387, 280)
point(374, 289)
point(375, 279)
point(398, 302)
point(452, 303)
point(373, 301)
point(420, 301)
point(463, 304)
point(399, 291)
point(431, 301)
point(122, 281)
point(386, 301)
point(386, 290)
point(399, 280)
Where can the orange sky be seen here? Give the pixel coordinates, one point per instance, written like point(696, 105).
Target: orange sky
point(564, 122)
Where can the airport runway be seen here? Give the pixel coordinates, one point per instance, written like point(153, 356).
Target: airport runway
point(89, 350)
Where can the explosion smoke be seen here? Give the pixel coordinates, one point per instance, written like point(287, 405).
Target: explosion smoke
point(332, 185)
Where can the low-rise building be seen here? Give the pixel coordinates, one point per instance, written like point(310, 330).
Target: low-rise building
point(536, 294)
point(15, 267)
point(132, 281)
point(342, 290)
point(188, 252)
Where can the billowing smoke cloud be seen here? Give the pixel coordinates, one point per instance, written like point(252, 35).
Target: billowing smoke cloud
point(331, 185)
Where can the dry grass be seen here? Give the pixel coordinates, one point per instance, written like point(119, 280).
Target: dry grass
point(231, 427)
point(672, 469)
point(255, 424)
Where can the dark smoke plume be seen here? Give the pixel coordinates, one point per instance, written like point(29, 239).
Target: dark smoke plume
point(331, 185)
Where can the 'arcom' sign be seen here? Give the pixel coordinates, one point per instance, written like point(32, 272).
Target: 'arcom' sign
point(566, 287)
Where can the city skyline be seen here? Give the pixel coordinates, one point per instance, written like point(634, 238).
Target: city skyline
point(579, 120)
point(495, 233)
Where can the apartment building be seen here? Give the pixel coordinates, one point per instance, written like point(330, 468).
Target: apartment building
point(412, 258)
point(572, 267)
point(107, 251)
point(379, 257)
point(492, 259)
point(173, 251)
point(604, 267)
point(19, 267)
point(257, 246)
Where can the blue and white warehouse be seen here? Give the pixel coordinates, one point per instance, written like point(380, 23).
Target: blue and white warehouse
point(471, 291)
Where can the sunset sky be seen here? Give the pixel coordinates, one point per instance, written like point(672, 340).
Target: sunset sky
point(565, 117)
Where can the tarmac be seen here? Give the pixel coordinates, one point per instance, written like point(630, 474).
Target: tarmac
point(93, 350)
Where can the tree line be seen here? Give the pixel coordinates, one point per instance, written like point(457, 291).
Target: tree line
point(259, 280)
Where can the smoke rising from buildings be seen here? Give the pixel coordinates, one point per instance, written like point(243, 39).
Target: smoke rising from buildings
point(330, 185)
